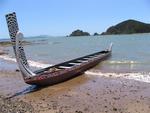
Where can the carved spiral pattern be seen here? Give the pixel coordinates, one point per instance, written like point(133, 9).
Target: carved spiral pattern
point(22, 54)
point(12, 25)
point(13, 29)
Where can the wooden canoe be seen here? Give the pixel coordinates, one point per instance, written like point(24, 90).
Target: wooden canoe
point(53, 74)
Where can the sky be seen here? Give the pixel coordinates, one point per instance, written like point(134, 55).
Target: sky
point(61, 17)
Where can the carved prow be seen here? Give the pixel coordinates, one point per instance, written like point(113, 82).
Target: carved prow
point(20, 57)
point(17, 45)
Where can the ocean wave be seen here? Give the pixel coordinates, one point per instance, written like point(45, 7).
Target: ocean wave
point(139, 76)
point(31, 63)
point(121, 62)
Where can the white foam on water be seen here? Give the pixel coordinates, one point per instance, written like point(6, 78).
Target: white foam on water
point(38, 64)
point(143, 77)
point(121, 62)
point(31, 63)
point(6, 57)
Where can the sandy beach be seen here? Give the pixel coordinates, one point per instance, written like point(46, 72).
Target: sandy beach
point(89, 93)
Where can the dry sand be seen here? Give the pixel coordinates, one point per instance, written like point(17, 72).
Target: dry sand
point(84, 94)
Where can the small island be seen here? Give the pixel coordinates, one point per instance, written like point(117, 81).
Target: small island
point(96, 34)
point(79, 33)
point(128, 27)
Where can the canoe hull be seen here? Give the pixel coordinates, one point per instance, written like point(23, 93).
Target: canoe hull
point(66, 74)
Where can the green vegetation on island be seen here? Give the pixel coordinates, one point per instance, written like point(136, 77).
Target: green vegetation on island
point(79, 33)
point(128, 27)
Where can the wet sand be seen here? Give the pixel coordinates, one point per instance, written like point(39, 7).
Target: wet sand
point(84, 94)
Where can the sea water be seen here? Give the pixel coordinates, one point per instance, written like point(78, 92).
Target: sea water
point(131, 53)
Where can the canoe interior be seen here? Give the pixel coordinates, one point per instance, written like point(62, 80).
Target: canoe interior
point(77, 60)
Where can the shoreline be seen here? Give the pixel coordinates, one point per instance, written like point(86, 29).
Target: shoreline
point(90, 92)
point(2, 51)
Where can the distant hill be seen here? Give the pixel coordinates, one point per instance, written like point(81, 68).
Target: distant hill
point(128, 27)
point(79, 33)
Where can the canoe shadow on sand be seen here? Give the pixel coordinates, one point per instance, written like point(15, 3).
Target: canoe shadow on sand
point(75, 82)
point(29, 89)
